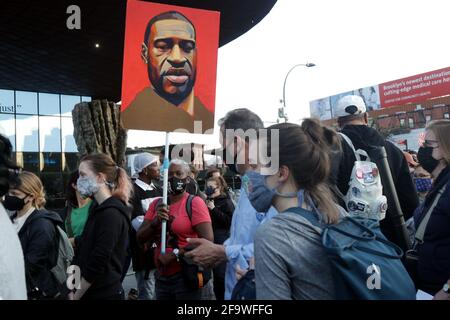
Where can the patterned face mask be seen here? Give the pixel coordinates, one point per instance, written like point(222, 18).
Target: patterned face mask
point(177, 186)
point(87, 186)
point(423, 184)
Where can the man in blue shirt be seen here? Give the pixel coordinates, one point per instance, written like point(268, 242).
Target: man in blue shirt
point(237, 250)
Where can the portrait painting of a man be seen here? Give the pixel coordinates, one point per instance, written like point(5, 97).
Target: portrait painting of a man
point(169, 54)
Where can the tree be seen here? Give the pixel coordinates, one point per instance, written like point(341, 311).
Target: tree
point(98, 129)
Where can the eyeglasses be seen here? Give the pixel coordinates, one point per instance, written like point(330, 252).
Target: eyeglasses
point(429, 143)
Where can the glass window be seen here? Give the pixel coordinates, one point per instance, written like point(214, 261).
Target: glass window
point(49, 104)
point(71, 161)
point(411, 122)
point(68, 141)
point(50, 134)
point(27, 135)
point(6, 101)
point(86, 99)
point(446, 116)
point(402, 122)
point(26, 102)
point(54, 189)
point(68, 103)
point(29, 161)
point(428, 118)
point(8, 128)
point(50, 162)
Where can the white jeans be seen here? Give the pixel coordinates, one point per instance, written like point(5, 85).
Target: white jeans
point(146, 288)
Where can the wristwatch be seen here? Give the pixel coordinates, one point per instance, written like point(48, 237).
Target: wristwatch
point(446, 288)
point(176, 252)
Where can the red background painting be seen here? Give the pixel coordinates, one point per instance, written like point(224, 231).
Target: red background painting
point(135, 76)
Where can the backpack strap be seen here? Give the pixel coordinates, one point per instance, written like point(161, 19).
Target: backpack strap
point(189, 206)
point(358, 153)
point(350, 143)
point(420, 232)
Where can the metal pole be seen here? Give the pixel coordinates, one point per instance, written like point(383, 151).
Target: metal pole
point(165, 187)
point(285, 80)
point(378, 154)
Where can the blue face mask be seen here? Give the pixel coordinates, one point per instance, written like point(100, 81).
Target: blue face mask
point(209, 191)
point(423, 184)
point(260, 195)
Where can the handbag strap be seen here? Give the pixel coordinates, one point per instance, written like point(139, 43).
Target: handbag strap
point(420, 232)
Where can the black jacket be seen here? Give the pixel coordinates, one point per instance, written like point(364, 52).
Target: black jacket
point(221, 217)
point(40, 242)
point(142, 260)
point(362, 137)
point(434, 252)
point(103, 248)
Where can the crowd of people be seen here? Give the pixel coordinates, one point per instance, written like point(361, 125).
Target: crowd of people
point(251, 246)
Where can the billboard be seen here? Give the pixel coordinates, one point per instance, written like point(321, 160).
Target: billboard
point(413, 89)
point(416, 88)
point(169, 68)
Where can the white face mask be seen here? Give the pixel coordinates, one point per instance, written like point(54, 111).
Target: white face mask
point(87, 186)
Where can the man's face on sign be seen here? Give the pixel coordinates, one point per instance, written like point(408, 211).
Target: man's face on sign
point(172, 59)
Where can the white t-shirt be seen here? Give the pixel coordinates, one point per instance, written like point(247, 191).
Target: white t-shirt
point(19, 222)
point(136, 223)
point(146, 187)
point(12, 268)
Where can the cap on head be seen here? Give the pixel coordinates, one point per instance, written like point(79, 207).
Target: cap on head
point(143, 160)
point(349, 105)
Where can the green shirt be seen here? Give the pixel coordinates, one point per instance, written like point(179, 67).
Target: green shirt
point(77, 220)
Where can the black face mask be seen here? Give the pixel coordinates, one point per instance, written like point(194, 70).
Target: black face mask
point(177, 186)
point(426, 160)
point(13, 203)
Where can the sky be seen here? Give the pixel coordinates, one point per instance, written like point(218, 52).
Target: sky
point(354, 44)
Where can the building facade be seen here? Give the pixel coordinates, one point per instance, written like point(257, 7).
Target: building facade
point(40, 128)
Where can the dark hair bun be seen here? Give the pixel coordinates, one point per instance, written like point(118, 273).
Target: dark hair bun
point(320, 135)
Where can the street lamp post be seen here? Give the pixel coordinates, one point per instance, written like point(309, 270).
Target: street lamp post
point(308, 65)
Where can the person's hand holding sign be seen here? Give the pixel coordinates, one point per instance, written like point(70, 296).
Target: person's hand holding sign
point(162, 212)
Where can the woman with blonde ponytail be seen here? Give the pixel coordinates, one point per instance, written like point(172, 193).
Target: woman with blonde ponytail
point(102, 250)
point(37, 232)
point(288, 249)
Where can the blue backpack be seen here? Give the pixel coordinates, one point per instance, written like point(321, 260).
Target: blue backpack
point(365, 265)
